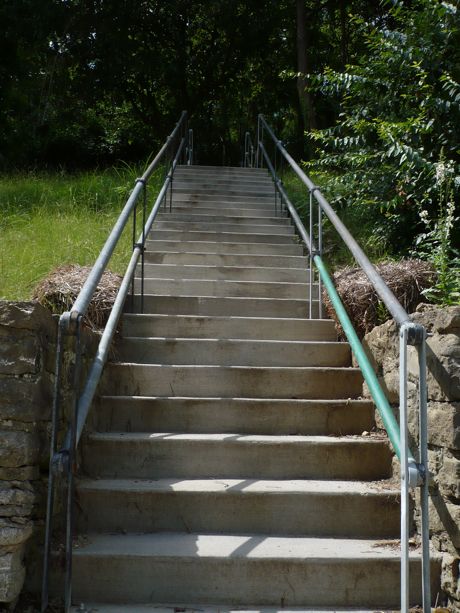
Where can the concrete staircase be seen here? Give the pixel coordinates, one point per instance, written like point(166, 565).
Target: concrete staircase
point(227, 466)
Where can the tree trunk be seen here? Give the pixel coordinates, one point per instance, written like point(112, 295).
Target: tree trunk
point(343, 33)
point(306, 102)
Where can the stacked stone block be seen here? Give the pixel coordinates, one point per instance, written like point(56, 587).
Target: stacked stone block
point(443, 378)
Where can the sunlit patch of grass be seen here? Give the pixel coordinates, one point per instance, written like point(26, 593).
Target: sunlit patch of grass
point(52, 219)
point(359, 222)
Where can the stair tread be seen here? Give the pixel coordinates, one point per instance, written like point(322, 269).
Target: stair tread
point(237, 399)
point(229, 341)
point(254, 318)
point(247, 547)
point(240, 439)
point(209, 608)
point(243, 486)
point(227, 268)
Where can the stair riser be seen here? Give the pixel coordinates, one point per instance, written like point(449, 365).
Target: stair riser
point(215, 247)
point(191, 415)
point(236, 512)
point(244, 174)
point(210, 226)
point(208, 305)
point(231, 273)
point(223, 328)
point(157, 458)
point(230, 352)
point(181, 188)
point(211, 259)
point(228, 382)
point(226, 182)
point(307, 582)
point(197, 197)
point(220, 288)
point(220, 170)
point(210, 209)
point(190, 217)
point(220, 236)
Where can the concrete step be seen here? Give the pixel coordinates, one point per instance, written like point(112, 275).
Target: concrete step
point(205, 287)
point(258, 328)
point(274, 570)
point(234, 190)
point(145, 455)
point(198, 170)
point(97, 607)
point(198, 197)
point(210, 209)
point(211, 226)
point(228, 415)
point(220, 236)
point(237, 506)
point(231, 381)
point(227, 259)
point(221, 306)
point(210, 181)
point(215, 246)
point(225, 273)
point(218, 173)
point(191, 217)
point(234, 352)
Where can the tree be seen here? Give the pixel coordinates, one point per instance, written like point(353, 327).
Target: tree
point(399, 113)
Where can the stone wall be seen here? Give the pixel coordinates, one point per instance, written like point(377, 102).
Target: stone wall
point(27, 338)
point(443, 364)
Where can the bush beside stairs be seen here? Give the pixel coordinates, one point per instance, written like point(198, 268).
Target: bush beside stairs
point(227, 468)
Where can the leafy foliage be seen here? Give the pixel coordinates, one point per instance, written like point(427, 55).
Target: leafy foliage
point(400, 106)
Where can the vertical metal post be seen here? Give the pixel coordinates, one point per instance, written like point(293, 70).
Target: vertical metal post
point(190, 147)
point(258, 142)
point(423, 459)
point(283, 204)
point(261, 140)
point(275, 178)
point(403, 334)
point(310, 299)
point(144, 214)
point(72, 468)
point(320, 249)
point(135, 244)
point(63, 320)
point(133, 287)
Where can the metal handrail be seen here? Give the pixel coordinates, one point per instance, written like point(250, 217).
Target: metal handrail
point(63, 460)
point(412, 473)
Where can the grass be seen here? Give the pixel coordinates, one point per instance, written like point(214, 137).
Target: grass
point(360, 224)
point(51, 219)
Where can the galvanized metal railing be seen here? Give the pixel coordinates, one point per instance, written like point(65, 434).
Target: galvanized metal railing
point(414, 472)
point(249, 152)
point(178, 146)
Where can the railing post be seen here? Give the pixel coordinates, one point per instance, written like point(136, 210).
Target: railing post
point(424, 489)
point(259, 158)
point(190, 148)
point(310, 277)
point(55, 416)
point(403, 335)
point(245, 154)
point(72, 466)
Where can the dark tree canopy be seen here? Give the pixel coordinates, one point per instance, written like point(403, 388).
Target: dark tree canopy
point(90, 81)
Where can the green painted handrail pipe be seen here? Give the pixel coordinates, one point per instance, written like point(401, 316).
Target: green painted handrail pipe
point(383, 407)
